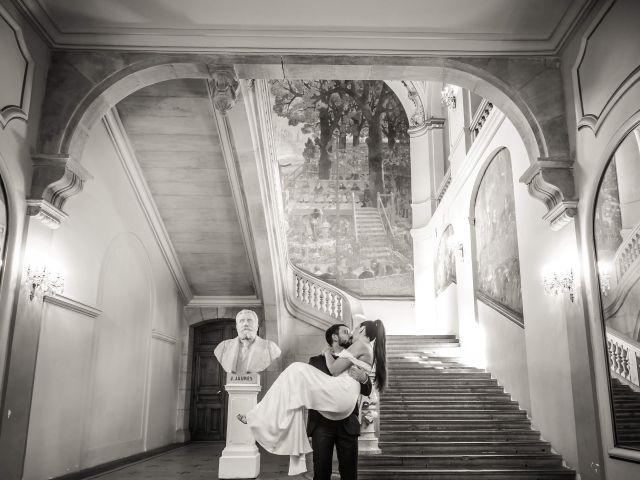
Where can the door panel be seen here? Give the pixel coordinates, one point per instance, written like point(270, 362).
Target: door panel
point(209, 398)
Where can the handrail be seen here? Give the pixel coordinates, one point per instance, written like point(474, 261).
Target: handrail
point(318, 302)
point(386, 225)
point(627, 253)
point(444, 185)
point(624, 357)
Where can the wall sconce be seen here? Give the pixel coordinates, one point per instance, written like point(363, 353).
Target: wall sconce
point(449, 97)
point(456, 247)
point(556, 281)
point(41, 282)
point(604, 274)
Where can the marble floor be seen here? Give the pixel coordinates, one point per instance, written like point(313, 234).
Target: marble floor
point(197, 461)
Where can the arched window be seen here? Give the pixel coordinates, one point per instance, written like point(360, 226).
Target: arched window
point(616, 231)
point(497, 262)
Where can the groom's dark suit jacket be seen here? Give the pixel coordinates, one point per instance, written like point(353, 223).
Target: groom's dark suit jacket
point(350, 424)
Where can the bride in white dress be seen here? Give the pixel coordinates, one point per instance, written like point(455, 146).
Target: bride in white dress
point(278, 422)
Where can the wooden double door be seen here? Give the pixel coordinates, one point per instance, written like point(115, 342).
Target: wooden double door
point(208, 414)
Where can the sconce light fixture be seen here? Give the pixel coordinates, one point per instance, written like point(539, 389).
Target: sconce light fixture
point(604, 274)
point(41, 282)
point(559, 280)
point(454, 245)
point(449, 97)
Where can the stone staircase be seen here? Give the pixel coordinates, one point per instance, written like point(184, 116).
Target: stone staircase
point(440, 419)
point(626, 408)
point(370, 228)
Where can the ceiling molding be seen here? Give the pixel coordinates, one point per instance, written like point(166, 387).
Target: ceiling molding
point(201, 301)
point(125, 151)
point(235, 182)
point(287, 39)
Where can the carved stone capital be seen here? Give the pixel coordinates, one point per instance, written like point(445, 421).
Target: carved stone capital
point(224, 86)
point(56, 178)
point(552, 181)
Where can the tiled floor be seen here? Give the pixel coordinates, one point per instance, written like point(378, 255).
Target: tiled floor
point(197, 461)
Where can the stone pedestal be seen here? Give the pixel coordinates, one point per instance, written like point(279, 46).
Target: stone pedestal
point(240, 458)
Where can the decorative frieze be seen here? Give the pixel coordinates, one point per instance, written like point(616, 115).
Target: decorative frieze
point(552, 182)
point(46, 213)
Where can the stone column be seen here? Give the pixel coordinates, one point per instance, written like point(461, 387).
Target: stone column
point(240, 458)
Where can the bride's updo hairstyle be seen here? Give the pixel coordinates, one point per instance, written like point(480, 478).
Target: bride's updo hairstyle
point(374, 330)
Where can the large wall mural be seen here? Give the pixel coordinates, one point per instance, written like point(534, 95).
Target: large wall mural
point(343, 151)
point(497, 261)
point(445, 269)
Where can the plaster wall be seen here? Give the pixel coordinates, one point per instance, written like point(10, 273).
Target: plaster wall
point(532, 363)
point(17, 140)
point(106, 386)
point(398, 316)
point(600, 70)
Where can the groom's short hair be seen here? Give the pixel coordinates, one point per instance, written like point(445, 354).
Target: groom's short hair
point(333, 329)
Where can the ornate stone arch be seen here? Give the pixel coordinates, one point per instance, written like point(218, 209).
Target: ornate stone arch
point(82, 86)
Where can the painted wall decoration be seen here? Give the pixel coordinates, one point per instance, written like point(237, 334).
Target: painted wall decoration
point(16, 74)
point(343, 152)
point(497, 261)
point(445, 268)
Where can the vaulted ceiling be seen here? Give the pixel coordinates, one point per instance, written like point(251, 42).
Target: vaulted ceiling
point(473, 26)
point(171, 128)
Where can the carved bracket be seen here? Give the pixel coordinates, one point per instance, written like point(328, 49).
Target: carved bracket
point(223, 87)
point(552, 182)
point(55, 179)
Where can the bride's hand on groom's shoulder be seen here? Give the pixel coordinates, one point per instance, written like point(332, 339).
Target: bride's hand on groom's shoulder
point(358, 374)
point(327, 350)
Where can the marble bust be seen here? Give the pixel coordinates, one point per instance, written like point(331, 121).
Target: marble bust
point(246, 353)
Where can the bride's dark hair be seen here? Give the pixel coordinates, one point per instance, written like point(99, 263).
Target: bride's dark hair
point(374, 330)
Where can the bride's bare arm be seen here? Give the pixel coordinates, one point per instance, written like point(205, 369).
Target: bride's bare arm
point(338, 365)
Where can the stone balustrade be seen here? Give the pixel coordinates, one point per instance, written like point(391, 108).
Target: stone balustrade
point(318, 296)
point(624, 357)
point(627, 253)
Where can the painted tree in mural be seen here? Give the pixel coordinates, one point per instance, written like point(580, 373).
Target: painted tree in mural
point(332, 107)
point(318, 106)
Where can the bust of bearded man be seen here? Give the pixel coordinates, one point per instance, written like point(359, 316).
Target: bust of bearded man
point(247, 353)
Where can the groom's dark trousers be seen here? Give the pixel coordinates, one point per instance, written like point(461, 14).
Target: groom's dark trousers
point(342, 434)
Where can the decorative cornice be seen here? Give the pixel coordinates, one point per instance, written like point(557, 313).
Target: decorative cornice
point(18, 106)
point(163, 337)
point(431, 123)
point(56, 178)
point(46, 213)
point(200, 301)
point(551, 180)
point(131, 167)
point(72, 305)
point(280, 39)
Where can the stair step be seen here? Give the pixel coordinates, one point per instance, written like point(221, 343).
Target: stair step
point(462, 435)
point(454, 425)
point(453, 414)
point(488, 474)
point(459, 447)
point(459, 461)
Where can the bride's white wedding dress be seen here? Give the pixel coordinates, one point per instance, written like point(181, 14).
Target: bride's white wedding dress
point(278, 422)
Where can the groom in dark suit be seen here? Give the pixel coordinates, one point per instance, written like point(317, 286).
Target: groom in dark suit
point(343, 434)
